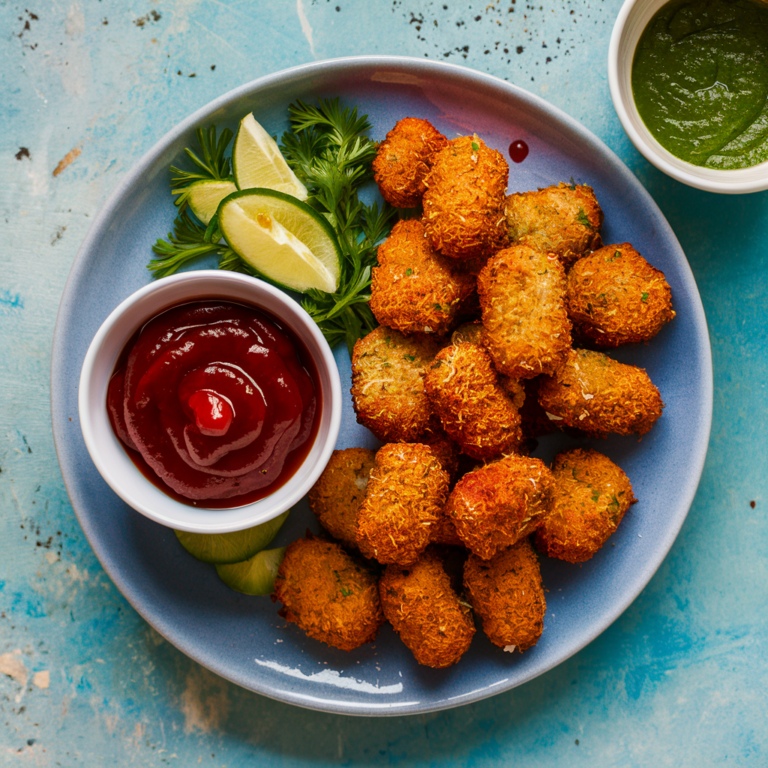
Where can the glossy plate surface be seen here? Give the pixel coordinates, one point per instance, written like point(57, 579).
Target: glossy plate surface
point(242, 638)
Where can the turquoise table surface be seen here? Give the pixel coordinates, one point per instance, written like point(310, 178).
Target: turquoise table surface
point(86, 88)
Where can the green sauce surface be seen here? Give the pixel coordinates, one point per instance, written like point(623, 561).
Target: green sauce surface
point(700, 81)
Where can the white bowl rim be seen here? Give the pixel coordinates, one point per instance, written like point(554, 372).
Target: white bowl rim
point(125, 478)
point(706, 179)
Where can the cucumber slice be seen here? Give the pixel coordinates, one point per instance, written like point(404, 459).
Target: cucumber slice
point(282, 238)
point(255, 576)
point(258, 162)
point(231, 547)
point(205, 196)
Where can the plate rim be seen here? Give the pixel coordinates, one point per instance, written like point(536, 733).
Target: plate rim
point(343, 64)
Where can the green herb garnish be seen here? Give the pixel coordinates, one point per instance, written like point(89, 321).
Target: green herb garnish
point(329, 152)
point(583, 220)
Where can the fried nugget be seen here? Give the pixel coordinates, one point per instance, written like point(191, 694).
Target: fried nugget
point(591, 496)
point(388, 388)
point(473, 408)
point(424, 610)
point(415, 290)
point(616, 297)
point(404, 159)
point(326, 593)
point(522, 295)
point(496, 505)
point(337, 495)
point(444, 531)
point(564, 219)
point(464, 201)
point(598, 395)
point(507, 594)
point(406, 490)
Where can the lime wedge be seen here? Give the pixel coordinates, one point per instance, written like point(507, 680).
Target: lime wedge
point(205, 196)
point(255, 576)
point(281, 238)
point(230, 547)
point(258, 162)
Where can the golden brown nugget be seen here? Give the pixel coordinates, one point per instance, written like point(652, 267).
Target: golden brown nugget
point(388, 387)
point(591, 496)
point(326, 593)
point(564, 219)
point(616, 297)
point(415, 290)
point(507, 594)
point(406, 490)
point(522, 295)
point(464, 201)
point(598, 395)
point(496, 505)
point(469, 333)
point(474, 409)
point(337, 495)
point(447, 452)
point(424, 610)
point(474, 333)
point(404, 159)
point(444, 531)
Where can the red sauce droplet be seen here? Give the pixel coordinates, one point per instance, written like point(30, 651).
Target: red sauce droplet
point(216, 403)
point(518, 151)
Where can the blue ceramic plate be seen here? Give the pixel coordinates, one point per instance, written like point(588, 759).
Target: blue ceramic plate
point(242, 638)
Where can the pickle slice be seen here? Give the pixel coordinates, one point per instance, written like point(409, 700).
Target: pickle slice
point(255, 576)
point(231, 547)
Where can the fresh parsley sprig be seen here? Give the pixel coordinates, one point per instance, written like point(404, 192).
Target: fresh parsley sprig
point(214, 165)
point(189, 240)
point(328, 149)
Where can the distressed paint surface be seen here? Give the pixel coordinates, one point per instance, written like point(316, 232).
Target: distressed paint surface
point(87, 87)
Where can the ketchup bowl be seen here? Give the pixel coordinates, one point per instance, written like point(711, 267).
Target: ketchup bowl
point(134, 480)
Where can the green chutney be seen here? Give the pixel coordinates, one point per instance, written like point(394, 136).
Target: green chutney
point(700, 81)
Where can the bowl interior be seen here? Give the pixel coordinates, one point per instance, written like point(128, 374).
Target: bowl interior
point(107, 451)
point(630, 24)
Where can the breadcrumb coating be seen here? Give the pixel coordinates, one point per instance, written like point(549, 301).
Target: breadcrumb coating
point(338, 493)
point(507, 594)
point(425, 611)
point(496, 505)
point(328, 595)
point(591, 496)
point(598, 395)
point(464, 200)
point(388, 388)
point(407, 488)
point(564, 219)
point(404, 159)
point(522, 295)
point(474, 409)
point(415, 290)
point(616, 297)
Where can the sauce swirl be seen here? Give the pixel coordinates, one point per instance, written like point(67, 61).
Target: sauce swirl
point(215, 401)
point(700, 81)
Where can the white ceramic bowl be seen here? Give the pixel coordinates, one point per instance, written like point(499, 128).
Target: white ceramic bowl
point(630, 24)
point(107, 451)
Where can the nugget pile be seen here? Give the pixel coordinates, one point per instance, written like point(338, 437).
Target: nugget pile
point(479, 302)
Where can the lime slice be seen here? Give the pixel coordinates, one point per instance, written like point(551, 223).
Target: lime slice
point(281, 238)
point(230, 547)
point(258, 162)
point(255, 576)
point(205, 196)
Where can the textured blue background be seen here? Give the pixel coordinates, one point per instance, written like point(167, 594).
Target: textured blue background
point(679, 680)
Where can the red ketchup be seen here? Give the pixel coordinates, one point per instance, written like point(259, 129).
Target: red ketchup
point(518, 151)
point(216, 402)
